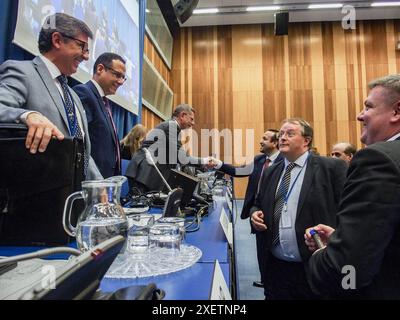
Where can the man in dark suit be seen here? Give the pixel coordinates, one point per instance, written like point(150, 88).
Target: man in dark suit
point(362, 258)
point(108, 75)
point(270, 155)
point(302, 188)
point(36, 92)
point(165, 147)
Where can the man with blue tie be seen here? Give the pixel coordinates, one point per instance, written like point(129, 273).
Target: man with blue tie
point(108, 75)
point(302, 188)
point(36, 92)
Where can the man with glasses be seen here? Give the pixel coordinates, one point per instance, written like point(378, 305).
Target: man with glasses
point(108, 75)
point(303, 188)
point(36, 92)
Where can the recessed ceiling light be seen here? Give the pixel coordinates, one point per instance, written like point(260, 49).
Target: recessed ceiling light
point(385, 4)
point(325, 6)
point(203, 11)
point(266, 8)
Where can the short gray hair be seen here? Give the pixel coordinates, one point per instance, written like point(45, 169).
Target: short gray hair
point(391, 83)
point(182, 108)
point(306, 130)
point(64, 24)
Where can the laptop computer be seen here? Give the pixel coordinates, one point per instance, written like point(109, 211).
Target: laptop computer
point(75, 279)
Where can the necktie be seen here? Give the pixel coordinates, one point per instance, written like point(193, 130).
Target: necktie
point(279, 202)
point(74, 128)
point(265, 166)
point(117, 151)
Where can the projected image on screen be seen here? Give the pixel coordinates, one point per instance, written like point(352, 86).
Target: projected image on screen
point(115, 26)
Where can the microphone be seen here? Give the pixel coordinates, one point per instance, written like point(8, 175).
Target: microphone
point(151, 161)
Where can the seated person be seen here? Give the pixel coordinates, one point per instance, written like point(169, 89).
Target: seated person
point(133, 141)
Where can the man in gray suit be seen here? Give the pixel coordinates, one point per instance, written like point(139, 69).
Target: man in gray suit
point(36, 92)
point(164, 144)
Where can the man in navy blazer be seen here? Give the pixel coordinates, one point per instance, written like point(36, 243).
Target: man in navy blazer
point(108, 75)
point(270, 155)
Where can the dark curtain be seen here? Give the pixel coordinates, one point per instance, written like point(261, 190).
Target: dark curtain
point(124, 120)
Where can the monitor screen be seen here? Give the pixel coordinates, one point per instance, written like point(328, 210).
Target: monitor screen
point(188, 183)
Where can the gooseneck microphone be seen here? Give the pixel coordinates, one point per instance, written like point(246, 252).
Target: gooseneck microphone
point(151, 161)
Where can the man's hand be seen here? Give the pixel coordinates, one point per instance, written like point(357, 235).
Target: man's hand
point(257, 220)
point(40, 132)
point(323, 231)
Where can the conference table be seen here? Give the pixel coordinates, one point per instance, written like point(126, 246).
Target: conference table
point(193, 283)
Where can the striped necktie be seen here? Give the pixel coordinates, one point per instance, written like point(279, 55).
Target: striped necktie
point(73, 123)
point(279, 202)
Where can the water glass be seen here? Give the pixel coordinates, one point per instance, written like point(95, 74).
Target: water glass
point(165, 238)
point(180, 222)
point(138, 234)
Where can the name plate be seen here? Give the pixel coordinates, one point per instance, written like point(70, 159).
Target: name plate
point(219, 287)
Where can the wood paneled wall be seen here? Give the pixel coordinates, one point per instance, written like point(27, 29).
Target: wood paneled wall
point(244, 77)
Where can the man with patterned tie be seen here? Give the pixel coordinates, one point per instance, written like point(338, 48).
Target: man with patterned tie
point(270, 155)
point(36, 92)
point(302, 188)
point(108, 75)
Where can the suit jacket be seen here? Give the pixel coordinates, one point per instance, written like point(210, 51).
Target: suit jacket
point(164, 144)
point(319, 197)
point(28, 86)
point(254, 175)
point(101, 130)
point(368, 232)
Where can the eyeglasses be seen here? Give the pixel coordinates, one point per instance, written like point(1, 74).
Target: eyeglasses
point(289, 134)
point(118, 75)
point(84, 45)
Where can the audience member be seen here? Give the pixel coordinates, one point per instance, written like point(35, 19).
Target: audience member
point(344, 151)
point(133, 141)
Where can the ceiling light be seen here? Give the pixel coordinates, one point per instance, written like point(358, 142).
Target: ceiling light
point(385, 4)
point(203, 11)
point(267, 8)
point(325, 6)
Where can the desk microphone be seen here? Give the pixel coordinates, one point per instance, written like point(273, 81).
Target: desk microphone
point(151, 161)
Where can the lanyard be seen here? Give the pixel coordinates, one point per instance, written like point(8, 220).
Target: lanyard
point(286, 197)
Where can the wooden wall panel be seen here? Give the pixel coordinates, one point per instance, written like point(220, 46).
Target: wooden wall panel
point(244, 77)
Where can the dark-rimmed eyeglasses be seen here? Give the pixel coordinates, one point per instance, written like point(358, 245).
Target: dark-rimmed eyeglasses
point(118, 75)
point(84, 45)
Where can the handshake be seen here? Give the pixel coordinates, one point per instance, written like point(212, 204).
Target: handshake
point(212, 163)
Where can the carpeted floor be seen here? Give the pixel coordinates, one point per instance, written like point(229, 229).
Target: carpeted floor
point(246, 259)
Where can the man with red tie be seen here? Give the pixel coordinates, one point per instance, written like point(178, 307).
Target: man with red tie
point(109, 75)
point(270, 155)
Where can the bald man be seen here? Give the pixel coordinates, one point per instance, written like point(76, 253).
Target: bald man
point(344, 151)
